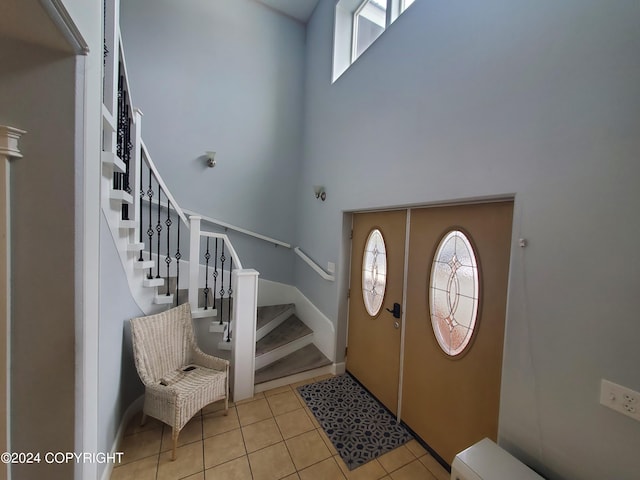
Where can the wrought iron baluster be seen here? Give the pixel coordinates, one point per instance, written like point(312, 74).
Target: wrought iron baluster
point(229, 301)
point(140, 258)
point(127, 146)
point(178, 257)
point(117, 178)
point(207, 256)
point(159, 230)
point(167, 259)
point(150, 229)
point(222, 291)
point(215, 275)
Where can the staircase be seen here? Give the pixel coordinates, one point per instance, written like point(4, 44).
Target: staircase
point(284, 345)
point(168, 259)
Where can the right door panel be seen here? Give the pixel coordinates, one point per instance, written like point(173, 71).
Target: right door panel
point(453, 401)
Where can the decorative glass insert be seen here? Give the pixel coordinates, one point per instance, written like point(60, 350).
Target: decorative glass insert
point(374, 272)
point(454, 292)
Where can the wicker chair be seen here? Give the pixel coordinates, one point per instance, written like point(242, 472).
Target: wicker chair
point(179, 378)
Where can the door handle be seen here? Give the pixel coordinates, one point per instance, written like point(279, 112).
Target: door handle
point(395, 311)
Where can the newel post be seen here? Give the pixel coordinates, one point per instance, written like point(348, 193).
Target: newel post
point(194, 260)
point(243, 342)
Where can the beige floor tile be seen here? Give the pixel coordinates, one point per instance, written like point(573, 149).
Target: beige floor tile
point(144, 469)
point(270, 463)
point(135, 427)
point(412, 471)
point(215, 407)
point(237, 469)
point(307, 449)
point(396, 458)
point(140, 445)
point(261, 434)
point(283, 403)
point(189, 460)
point(276, 391)
point(369, 471)
point(294, 423)
point(257, 396)
point(293, 476)
point(191, 432)
point(218, 422)
point(197, 476)
point(327, 442)
point(223, 447)
point(324, 470)
point(415, 448)
point(253, 412)
point(434, 467)
point(312, 417)
point(294, 386)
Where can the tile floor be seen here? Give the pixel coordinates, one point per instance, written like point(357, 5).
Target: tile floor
point(269, 437)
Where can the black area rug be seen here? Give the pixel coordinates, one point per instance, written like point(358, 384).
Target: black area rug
point(359, 426)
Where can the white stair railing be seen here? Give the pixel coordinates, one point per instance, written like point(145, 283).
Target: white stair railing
point(137, 226)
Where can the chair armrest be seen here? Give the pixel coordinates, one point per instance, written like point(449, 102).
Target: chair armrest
point(209, 361)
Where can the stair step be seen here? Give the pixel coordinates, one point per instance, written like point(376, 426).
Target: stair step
point(121, 196)
point(307, 358)
point(127, 224)
point(163, 299)
point(289, 336)
point(144, 265)
point(217, 327)
point(135, 247)
point(288, 331)
point(111, 159)
point(202, 313)
point(270, 316)
point(152, 282)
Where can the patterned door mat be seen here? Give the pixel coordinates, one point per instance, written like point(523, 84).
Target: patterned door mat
point(359, 426)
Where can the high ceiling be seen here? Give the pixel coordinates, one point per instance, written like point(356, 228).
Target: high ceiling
point(299, 9)
point(28, 21)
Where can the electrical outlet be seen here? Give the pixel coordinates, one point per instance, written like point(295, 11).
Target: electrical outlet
point(619, 398)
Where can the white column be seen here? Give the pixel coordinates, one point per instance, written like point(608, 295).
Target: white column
point(135, 172)
point(194, 260)
point(243, 335)
point(9, 137)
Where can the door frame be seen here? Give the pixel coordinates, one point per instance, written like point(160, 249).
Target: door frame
point(343, 279)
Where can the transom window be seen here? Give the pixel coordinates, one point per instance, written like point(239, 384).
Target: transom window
point(358, 24)
point(454, 293)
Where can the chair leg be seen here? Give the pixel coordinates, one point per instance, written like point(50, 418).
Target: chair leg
point(174, 437)
point(143, 420)
point(226, 405)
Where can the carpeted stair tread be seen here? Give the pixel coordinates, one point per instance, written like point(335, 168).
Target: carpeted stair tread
point(306, 358)
point(288, 331)
point(269, 312)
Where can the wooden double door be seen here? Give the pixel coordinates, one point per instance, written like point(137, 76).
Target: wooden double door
point(448, 396)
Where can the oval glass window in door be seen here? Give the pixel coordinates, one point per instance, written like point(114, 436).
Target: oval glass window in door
point(454, 292)
point(374, 272)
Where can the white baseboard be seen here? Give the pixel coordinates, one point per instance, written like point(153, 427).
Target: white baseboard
point(339, 368)
point(134, 408)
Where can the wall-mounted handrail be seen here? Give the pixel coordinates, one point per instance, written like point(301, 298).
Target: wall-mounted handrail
point(319, 270)
point(237, 229)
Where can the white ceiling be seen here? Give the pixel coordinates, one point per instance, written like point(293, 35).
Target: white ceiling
point(28, 21)
point(298, 9)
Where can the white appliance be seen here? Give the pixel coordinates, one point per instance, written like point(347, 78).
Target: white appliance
point(487, 461)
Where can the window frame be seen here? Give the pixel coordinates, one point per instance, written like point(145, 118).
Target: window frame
point(345, 31)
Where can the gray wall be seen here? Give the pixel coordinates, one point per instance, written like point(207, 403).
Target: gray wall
point(119, 384)
point(470, 99)
point(228, 77)
point(37, 94)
